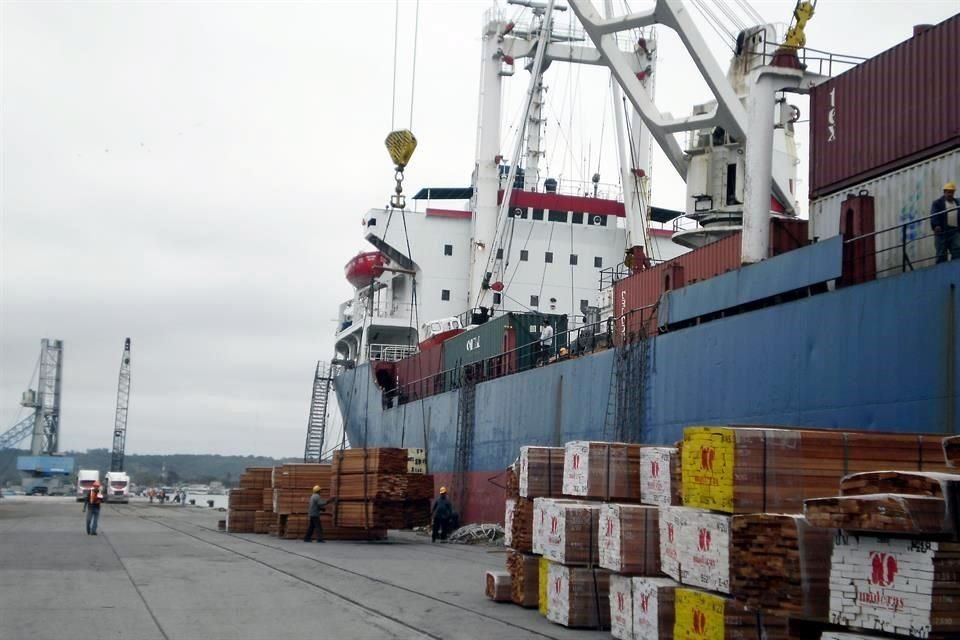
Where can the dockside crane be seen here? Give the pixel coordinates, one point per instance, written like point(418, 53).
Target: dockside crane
point(123, 403)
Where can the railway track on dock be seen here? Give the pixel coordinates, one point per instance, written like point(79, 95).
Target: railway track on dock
point(137, 512)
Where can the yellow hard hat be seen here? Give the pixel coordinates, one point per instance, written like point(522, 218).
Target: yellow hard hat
point(443, 489)
point(950, 186)
point(316, 489)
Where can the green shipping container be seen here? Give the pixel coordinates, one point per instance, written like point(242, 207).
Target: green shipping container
point(504, 344)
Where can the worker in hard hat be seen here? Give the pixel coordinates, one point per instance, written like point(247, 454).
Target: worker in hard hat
point(442, 516)
point(317, 505)
point(94, 500)
point(945, 220)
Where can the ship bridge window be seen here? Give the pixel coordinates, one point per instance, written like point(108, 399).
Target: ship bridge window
point(577, 217)
point(524, 255)
point(557, 216)
point(597, 221)
point(538, 214)
point(372, 222)
point(497, 298)
point(534, 301)
point(517, 212)
point(573, 259)
point(448, 249)
point(548, 257)
point(598, 262)
point(500, 253)
point(445, 294)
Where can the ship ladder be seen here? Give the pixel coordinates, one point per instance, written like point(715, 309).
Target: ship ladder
point(317, 419)
point(466, 419)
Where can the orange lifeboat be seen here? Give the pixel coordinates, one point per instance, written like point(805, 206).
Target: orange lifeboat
point(365, 267)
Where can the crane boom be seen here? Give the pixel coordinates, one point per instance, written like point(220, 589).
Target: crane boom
point(123, 403)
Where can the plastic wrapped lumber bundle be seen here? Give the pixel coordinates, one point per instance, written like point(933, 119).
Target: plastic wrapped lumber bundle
point(382, 486)
point(578, 597)
point(653, 608)
point(543, 599)
point(519, 527)
point(566, 531)
point(302, 476)
point(510, 505)
point(695, 547)
point(416, 460)
point(780, 562)
point(267, 503)
point(699, 614)
point(383, 460)
point(621, 607)
point(757, 470)
point(901, 586)
point(245, 499)
point(660, 476)
point(951, 451)
point(498, 586)
point(240, 521)
point(629, 539)
point(604, 470)
point(261, 521)
point(256, 478)
point(912, 502)
point(524, 578)
point(513, 481)
point(540, 473)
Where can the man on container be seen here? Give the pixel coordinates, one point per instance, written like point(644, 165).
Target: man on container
point(442, 514)
point(94, 500)
point(945, 221)
point(546, 340)
point(317, 505)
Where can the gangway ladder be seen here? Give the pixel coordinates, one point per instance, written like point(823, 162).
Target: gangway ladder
point(625, 418)
point(317, 420)
point(463, 449)
point(123, 405)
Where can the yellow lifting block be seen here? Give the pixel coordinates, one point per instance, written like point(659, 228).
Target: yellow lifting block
point(401, 144)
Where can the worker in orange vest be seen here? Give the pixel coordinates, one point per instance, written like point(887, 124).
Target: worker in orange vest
point(94, 500)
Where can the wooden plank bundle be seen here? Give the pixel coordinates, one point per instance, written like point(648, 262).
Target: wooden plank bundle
point(540, 472)
point(755, 470)
point(578, 597)
point(543, 573)
point(272, 529)
point(892, 502)
point(498, 586)
point(240, 521)
point(302, 476)
point(653, 607)
point(629, 539)
point(902, 586)
point(524, 578)
point(605, 470)
point(294, 526)
point(245, 499)
point(695, 547)
point(267, 503)
point(513, 481)
point(660, 476)
point(951, 451)
point(383, 460)
point(288, 501)
point(781, 562)
point(621, 607)
point(382, 486)
point(566, 530)
point(256, 478)
point(518, 525)
point(699, 614)
point(262, 520)
point(380, 515)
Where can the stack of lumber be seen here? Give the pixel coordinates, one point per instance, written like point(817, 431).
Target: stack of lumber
point(291, 500)
point(695, 547)
point(543, 573)
point(293, 526)
point(891, 585)
point(540, 472)
point(660, 476)
point(510, 505)
point(372, 489)
point(524, 578)
point(245, 499)
point(417, 460)
point(756, 470)
point(256, 478)
point(272, 529)
point(513, 481)
point(951, 451)
point(699, 614)
point(262, 521)
point(518, 525)
point(578, 596)
point(779, 562)
point(267, 504)
point(911, 502)
point(566, 531)
point(641, 608)
point(604, 470)
point(498, 586)
point(630, 539)
point(240, 521)
point(302, 476)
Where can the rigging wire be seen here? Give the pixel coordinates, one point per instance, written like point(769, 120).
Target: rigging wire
point(413, 74)
point(396, 40)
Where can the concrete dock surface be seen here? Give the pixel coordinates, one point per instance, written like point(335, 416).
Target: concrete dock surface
point(165, 573)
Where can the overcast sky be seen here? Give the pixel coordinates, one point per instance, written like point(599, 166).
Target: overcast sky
point(193, 175)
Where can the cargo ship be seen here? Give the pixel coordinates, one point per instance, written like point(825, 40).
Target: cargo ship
point(731, 310)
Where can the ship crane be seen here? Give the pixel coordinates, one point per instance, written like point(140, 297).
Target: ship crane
point(44, 423)
point(123, 403)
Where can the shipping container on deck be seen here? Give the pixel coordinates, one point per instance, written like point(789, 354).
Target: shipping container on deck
point(899, 197)
point(419, 375)
point(504, 344)
point(635, 297)
point(887, 113)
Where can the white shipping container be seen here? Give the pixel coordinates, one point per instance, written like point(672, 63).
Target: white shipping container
point(900, 197)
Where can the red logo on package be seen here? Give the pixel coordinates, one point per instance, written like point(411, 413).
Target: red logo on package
point(707, 454)
point(699, 621)
point(670, 532)
point(644, 602)
point(703, 543)
point(620, 601)
point(883, 568)
point(654, 468)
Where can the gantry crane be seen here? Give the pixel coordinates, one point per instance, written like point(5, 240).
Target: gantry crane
point(123, 403)
point(44, 423)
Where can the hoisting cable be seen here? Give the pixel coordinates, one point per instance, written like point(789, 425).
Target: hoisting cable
point(413, 73)
point(396, 40)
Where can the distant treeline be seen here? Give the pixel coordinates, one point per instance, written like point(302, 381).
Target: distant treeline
point(148, 469)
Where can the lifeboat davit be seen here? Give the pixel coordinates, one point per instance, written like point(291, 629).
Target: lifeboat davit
point(365, 267)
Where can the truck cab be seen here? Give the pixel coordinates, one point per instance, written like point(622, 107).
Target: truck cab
point(117, 487)
point(85, 480)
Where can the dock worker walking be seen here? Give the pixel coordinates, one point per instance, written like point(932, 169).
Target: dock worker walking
point(94, 500)
point(317, 505)
point(945, 220)
point(442, 513)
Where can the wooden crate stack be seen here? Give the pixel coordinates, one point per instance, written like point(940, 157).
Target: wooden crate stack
point(577, 596)
point(700, 614)
point(566, 531)
point(602, 470)
point(373, 489)
point(629, 539)
point(246, 501)
point(540, 472)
